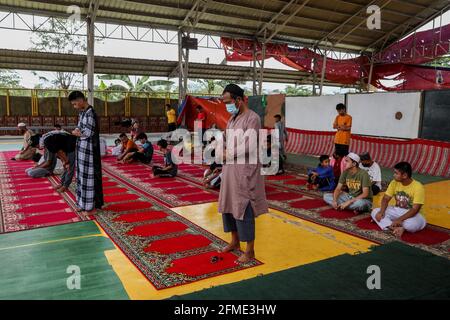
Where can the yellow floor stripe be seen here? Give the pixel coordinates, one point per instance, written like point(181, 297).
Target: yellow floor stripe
point(51, 241)
point(283, 242)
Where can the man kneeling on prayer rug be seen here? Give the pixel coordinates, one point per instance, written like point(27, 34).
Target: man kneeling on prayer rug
point(409, 197)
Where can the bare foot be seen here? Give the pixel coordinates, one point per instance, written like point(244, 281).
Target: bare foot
point(88, 213)
point(398, 231)
point(230, 247)
point(246, 257)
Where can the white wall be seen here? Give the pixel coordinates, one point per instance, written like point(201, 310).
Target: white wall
point(312, 113)
point(374, 114)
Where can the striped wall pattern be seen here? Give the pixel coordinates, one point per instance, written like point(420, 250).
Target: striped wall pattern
point(426, 156)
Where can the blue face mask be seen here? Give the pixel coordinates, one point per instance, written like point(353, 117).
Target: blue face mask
point(231, 108)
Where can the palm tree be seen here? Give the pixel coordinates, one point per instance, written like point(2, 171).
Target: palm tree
point(144, 84)
point(297, 91)
point(214, 86)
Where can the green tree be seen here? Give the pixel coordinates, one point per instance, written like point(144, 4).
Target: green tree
point(143, 84)
point(57, 39)
point(297, 91)
point(443, 61)
point(212, 86)
point(9, 79)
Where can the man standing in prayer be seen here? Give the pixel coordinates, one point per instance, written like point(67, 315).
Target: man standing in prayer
point(279, 125)
point(171, 118)
point(89, 168)
point(242, 194)
point(27, 151)
point(343, 125)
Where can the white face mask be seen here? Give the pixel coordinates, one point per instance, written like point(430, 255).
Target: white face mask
point(231, 108)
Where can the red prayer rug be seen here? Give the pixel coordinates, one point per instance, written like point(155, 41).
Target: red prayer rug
point(27, 203)
point(171, 192)
point(288, 193)
point(167, 248)
point(311, 207)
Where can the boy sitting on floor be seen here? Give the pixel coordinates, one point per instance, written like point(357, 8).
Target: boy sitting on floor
point(359, 195)
point(117, 149)
point(374, 171)
point(144, 153)
point(213, 175)
point(128, 146)
point(169, 169)
point(409, 198)
point(322, 177)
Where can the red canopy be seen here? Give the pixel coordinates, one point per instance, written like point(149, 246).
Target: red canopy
point(400, 61)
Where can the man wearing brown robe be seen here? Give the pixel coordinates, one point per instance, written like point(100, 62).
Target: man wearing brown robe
point(242, 193)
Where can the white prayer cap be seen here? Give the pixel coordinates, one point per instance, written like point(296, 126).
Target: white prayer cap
point(21, 125)
point(354, 157)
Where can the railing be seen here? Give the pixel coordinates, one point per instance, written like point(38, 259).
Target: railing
point(103, 95)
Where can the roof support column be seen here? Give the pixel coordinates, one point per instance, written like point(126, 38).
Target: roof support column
point(254, 76)
point(90, 20)
point(183, 67)
point(90, 60)
point(369, 81)
point(314, 62)
point(324, 66)
point(261, 69)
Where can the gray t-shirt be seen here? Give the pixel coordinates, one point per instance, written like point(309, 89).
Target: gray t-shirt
point(49, 156)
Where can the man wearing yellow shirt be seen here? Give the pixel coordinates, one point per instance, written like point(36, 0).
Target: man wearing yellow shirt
point(343, 125)
point(409, 197)
point(171, 117)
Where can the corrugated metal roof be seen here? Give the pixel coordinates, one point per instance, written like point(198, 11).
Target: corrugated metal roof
point(342, 22)
point(43, 61)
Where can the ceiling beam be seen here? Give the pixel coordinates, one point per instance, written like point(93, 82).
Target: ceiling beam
point(278, 28)
point(269, 23)
point(93, 9)
point(335, 30)
point(363, 21)
point(406, 25)
point(194, 15)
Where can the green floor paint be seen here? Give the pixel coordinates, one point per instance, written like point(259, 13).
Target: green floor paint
point(386, 173)
point(406, 273)
point(36, 236)
point(39, 270)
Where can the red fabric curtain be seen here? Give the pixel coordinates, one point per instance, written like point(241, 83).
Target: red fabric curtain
point(400, 61)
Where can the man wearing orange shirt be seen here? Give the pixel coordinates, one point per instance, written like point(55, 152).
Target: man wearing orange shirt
point(343, 125)
point(128, 146)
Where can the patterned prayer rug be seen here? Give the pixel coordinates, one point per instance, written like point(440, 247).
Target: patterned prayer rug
point(167, 248)
point(28, 203)
point(288, 193)
point(171, 192)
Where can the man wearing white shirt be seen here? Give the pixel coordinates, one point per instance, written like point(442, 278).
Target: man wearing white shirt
point(374, 171)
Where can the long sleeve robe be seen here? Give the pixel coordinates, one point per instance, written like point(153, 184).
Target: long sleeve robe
point(243, 183)
point(89, 170)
